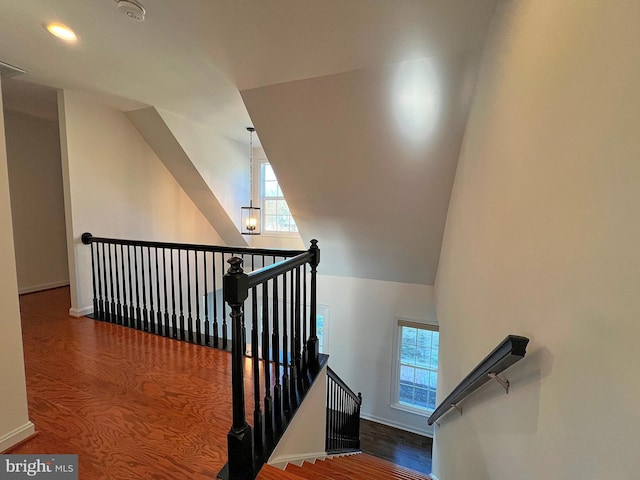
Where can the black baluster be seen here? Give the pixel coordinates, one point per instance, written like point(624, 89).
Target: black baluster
point(132, 311)
point(145, 312)
point(96, 312)
point(305, 322)
point(152, 313)
point(286, 392)
point(239, 439)
point(215, 333)
point(189, 317)
point(224, 312)
point(159, 310)
point(125, 304)
point(106, 315)
point(182, 327)
point(166, 294)
point(174, 322)
point(268, 400)
point(197, 320)
point(135, 266)
point(298, 331)
point(275, 357)
point(118, 304)
point(207, 339)
point(112, 304)
point(257, 412)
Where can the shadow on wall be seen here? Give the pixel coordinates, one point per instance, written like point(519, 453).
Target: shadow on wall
point(525, 380)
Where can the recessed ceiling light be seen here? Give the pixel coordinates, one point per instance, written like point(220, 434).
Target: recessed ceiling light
point(62, 32)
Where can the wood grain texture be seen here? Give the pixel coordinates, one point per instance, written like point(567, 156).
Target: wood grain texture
point(131, 405)
point(397, 446)
point(351, 467)
point(134, 405)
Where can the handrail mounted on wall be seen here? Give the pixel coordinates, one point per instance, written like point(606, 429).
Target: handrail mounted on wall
point(508, 352)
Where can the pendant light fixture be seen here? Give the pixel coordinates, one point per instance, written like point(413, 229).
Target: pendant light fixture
point(250, 216)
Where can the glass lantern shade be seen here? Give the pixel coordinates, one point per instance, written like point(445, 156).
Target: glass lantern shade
point(250, 221)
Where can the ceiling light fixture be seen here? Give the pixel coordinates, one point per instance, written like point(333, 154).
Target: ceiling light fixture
point(250, 216)
point(61, 31)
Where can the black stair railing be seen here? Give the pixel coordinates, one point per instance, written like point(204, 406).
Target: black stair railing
point(170, 289)
point(343, 416)
point(181, 291)
point(283, 363)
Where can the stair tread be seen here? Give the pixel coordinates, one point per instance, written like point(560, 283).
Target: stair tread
point(269, 472)
point(354, 467)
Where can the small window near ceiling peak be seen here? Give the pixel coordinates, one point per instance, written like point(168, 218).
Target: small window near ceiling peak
point(277, 217)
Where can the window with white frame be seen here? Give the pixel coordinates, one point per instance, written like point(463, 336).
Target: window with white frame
point(276, 216)
point(416, 366)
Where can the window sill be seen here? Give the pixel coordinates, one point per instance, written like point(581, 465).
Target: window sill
point(414, 410)
point(280, 234)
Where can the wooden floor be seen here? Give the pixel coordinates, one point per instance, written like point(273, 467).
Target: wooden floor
point(134, 405)
point(351, 467)
point(131, 405)
point(398, 446)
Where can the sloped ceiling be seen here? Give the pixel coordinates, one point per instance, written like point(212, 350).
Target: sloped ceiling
point(331, 64)
point(366, 160)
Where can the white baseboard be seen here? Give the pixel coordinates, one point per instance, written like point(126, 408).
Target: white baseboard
point(44, 286)
point(401, 426)
point(433, 476)
point(16, 436)
point(80, 312)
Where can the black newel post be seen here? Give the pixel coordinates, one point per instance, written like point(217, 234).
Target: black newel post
point(239, 439)
point(312, 344)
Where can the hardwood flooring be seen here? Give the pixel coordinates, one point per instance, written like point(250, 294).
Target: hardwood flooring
point(134, 405)
point(130, 404)
point(397, 446)
point(351, 467)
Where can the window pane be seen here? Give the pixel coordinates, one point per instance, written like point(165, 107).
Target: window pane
point(268, 172)
point(282, 208)
point(283, 223)
point(406, 394)
point(270, 207)
point(422, 377)
point(407, 375)
point(433, 380)
point(320, 331)
point(421, 397)
point(271, 188)
point(270, 222)
point(431, 404)
point(408, 347)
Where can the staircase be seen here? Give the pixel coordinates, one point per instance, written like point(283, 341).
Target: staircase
point(351, 467)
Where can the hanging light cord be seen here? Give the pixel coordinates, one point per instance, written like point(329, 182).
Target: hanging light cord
point(250, 166)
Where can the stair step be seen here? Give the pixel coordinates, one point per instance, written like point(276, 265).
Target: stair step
point(350, 467)
point(272, 473)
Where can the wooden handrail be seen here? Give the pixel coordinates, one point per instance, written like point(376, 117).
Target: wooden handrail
point(509, 351)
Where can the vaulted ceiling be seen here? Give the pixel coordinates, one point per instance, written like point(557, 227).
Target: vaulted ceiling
point(359, 104)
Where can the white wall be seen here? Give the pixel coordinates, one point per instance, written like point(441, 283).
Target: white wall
point(304, 438)
point(361, 336)
point(37, 201)
point(14, 417)
point(115, 186)
point(542, 240)
point(222, 162)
